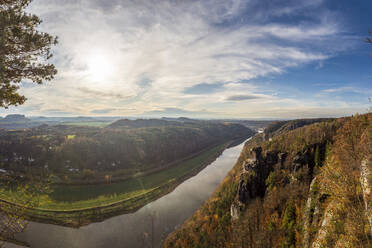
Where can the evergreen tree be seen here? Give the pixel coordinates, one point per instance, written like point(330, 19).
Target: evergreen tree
point(289, 226)
point(24, 51)
point(317, 159)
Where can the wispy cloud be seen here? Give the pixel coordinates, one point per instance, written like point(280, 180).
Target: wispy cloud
point(101, 94)
point(179, 112)
point(110, 110)
point(243, 97)
point(347, 89)
point(157, 54)
point(204, 88)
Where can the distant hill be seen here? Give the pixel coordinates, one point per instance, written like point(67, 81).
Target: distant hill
point(16, 122)
point(140, 123)
point(179, 119)
point(252, 124)
point(15, 118)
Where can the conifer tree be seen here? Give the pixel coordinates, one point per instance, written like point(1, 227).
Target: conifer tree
point(24, 51)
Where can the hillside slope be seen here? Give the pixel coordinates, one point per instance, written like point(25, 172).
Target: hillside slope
point(97, 173)
point(124, 148)
point(307, 187)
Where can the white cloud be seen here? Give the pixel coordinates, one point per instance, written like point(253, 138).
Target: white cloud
point(341, 91)
point(174, 45)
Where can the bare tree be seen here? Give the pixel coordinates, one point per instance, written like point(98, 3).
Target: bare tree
point(369, 38)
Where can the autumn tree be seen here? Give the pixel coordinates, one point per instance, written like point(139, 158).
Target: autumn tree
point(24, 51)
point(369, 40)
point(26, 195)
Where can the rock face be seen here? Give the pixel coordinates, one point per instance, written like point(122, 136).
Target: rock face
point(255, 170)
point(257, 167)
point(322, 220)
point(235, 211)
point(281, 157)
point(244, 192)
point(301, 159)
point(312, 213)
point(365, 175)
point(321, 235)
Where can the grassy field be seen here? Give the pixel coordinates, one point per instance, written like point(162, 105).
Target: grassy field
point(77, 205)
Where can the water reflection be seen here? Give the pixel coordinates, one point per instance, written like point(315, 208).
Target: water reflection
point(145, 228)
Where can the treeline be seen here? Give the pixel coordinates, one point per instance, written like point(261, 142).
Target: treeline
point(279, 127)
point(125, 147)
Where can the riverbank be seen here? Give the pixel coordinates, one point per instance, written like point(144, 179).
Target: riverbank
point(142, 191)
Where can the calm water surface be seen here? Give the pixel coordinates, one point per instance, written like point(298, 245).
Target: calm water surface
point(149, 225)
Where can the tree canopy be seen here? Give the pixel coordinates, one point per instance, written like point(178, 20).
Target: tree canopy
point(24, 51)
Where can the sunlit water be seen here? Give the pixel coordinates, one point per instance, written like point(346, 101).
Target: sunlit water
point(157, 218)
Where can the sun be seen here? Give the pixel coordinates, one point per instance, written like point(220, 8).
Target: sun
point(100, 66)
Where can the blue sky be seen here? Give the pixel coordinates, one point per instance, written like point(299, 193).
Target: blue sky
point(206, 59)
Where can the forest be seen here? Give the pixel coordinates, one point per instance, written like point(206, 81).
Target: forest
point(122, 149)
point(305, 187)
point(74, 175)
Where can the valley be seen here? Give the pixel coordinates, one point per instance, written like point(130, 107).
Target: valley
point(95, 173)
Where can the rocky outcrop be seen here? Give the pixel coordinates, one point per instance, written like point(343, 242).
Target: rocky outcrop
point(321, 235)
point(281, 157)
point(255, 170)
point(319, 223)
point(308, 217)
point(312, 213)
point(365, 176)
point(302, 159)
point(235, 211)
point(244, 192)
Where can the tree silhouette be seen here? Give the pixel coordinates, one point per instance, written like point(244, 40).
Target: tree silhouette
point(369, 38)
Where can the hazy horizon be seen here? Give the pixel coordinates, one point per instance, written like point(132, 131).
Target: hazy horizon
point(133, 117)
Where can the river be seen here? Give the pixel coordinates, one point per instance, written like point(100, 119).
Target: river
point(148, 226)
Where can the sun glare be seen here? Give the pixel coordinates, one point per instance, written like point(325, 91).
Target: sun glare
point(100, 67)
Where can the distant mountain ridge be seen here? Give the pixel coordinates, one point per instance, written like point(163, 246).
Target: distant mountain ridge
point(14, 118)
point(140, 123)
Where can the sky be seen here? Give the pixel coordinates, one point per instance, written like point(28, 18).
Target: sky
point(205, 59)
